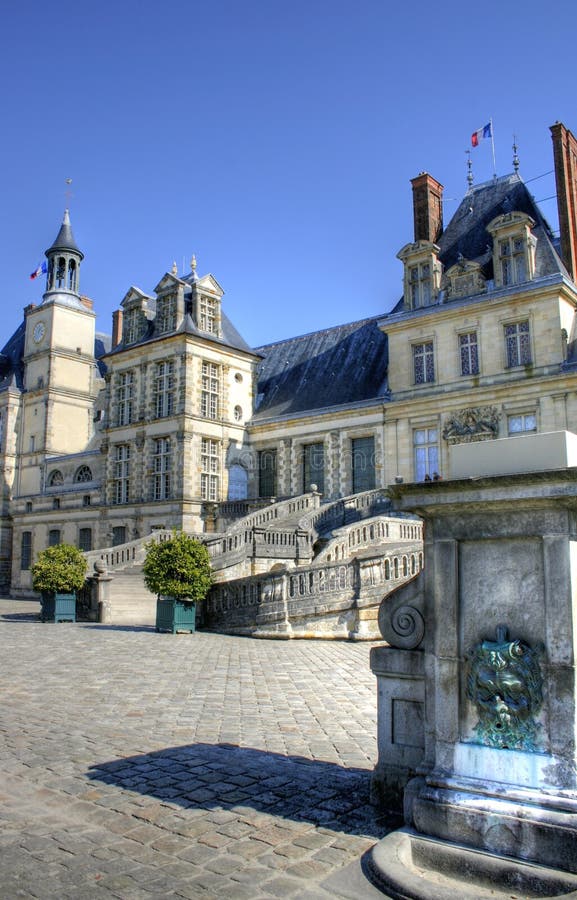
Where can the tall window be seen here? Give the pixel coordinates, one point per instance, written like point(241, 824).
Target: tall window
point(161, 466)
point(522, 424)
point(420, 285)
point(267, 486)
point(121, 474)
point(423, 363)
point(209, 462)
point(469, 353)
point(164, 389)
point(26, 550)
point(314, 467)
point(131, 326)
point(237, 482)
point(363, 463)
point(518, 344)
point(210, 390)
point(85, 539)
point(426, 450)
point(208, 314)
point(53, 537)
point(125, 398)
point(118, 535)
point(166, 314)
point(512, 260)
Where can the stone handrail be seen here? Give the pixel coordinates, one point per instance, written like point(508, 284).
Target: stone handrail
point(334, 514)
point(366, 533)
point(277, 511)
point(132, 553)
point(381, 573)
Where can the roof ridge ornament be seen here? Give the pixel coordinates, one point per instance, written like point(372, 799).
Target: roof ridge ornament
point(515, 157)
point(470, 177)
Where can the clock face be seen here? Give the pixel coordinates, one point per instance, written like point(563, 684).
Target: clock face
point(39, 332)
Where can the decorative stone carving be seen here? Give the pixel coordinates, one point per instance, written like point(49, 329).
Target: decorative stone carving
point(401, 620)
point(505, 683)
point(479, 423)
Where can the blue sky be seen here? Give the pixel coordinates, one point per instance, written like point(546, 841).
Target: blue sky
point(275, 140)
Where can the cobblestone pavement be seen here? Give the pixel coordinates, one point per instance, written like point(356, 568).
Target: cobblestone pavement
point(135, 764)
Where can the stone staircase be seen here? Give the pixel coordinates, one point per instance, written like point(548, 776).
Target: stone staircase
point(298, 534)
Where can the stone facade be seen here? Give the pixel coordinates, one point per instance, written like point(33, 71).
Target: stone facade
point(178, 423)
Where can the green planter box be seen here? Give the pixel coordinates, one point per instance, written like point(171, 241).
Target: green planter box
point(175, 615)
point(58, 608)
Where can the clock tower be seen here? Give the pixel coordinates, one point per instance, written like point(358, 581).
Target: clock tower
point(59, 364)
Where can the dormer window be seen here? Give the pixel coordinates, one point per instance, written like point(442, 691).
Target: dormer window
point(166, 314)
point(208, 314)
point(422, 273)
point(513, 248)
point(420, 285)
point(131, 326)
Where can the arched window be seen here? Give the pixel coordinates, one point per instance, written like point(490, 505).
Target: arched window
point(55, 478)
point(72, 275)
point(61, 272)
point(84, 473)
point(237, 483)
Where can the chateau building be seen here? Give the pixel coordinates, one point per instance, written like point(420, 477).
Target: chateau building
point(175, 421)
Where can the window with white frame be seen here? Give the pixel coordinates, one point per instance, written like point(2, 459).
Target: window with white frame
point(518, 344)
point(426, 452)
point(121, 474)
point(522, 423)
point(125, 398)
point(210, 468)
point(208, 314)
point(210, 390)
point(423, 363)
point(469, 353)
point(164, 389)
point(161, 469)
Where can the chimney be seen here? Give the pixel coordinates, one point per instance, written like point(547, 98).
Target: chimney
point(87, 302)
point(116, 327)
point(565, 160)
point(427, 208)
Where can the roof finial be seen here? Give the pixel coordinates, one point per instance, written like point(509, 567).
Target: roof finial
point(470, 177)
point(515, 157)
point(174, 269)
point(193, 264)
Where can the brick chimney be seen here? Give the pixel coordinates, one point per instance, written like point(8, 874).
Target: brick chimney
point(116, 327)
point(427, 207)
point(565, 160)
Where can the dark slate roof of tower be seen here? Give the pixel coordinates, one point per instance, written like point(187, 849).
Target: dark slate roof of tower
point(466, 234)
point(11, 366)
point(337, 366)
point(65, 238)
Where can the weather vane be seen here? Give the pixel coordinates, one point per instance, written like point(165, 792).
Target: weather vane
point(68, 192)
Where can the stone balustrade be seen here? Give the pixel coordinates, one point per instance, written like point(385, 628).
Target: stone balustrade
point(362, 535)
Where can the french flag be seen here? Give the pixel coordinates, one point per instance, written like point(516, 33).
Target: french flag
point(484, 132)
point(41, 270)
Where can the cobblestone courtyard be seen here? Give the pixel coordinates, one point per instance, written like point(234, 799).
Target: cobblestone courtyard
point(136, 764)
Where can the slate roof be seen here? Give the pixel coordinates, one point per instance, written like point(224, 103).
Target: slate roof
point(467, 235)
point(65, 238)
point(341, 365)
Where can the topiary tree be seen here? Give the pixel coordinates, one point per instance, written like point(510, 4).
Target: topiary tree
point(59, 570)
point(179, 567)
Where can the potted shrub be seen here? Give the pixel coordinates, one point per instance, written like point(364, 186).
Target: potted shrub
point(178, 571)
point(57, 574)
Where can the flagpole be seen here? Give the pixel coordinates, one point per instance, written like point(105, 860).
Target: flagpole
point(493, 149)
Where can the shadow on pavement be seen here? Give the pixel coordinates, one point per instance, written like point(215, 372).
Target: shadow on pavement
point(226, 776)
